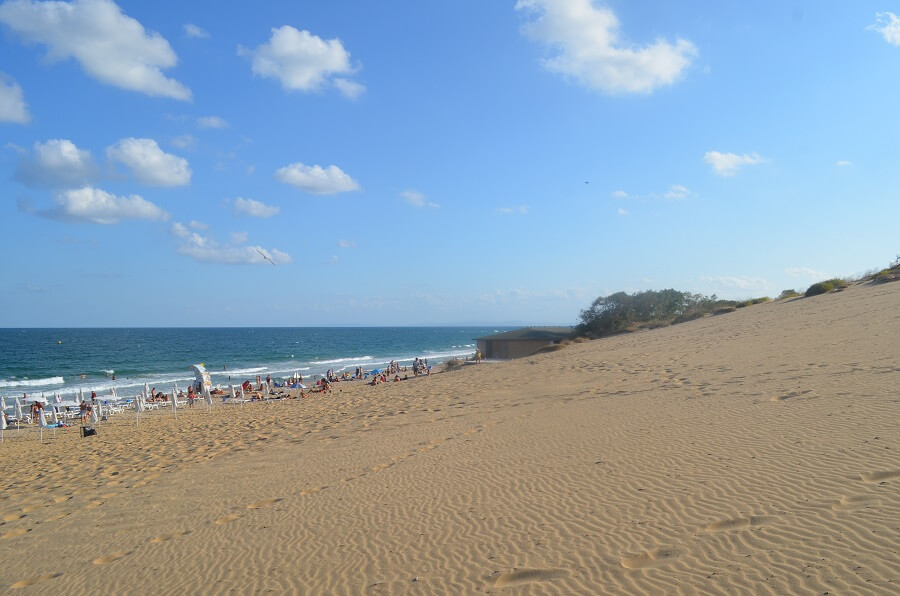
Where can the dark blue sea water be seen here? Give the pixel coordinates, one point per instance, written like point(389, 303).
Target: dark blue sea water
point(51, 361)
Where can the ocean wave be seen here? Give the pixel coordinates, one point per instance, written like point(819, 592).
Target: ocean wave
point(240, 371)
point(343, 360)
point(31, 382)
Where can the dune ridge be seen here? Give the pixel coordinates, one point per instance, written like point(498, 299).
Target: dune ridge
point(755, 451)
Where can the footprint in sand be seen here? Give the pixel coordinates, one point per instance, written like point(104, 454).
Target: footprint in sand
point(660, 555)
point(791, 395)
point(851, 503)
point(93, 504)
point(313, 490)
point(57, 517)
point(111, 557)
point(35, 580)
point(15, 533)
point(31, 508)
point(527, 576)
point(13, 517)
point(227, 519)
point(170, 536)
point(263, 503)
point(736, 524)
point(62, 499)
point(873, 476)
point(380, 467)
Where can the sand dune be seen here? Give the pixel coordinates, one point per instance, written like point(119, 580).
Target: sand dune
point(751, 452)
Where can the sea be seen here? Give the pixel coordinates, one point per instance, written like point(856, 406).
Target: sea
point(49, 362)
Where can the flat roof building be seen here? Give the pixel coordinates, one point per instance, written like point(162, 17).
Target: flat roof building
point(521, 342)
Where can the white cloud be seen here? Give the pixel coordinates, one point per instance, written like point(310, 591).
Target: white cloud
point(676, 191)
point(150, 164)
point(727, 164)
point(98, 206)
point(211, 122)
point(198, 225)
point(589, 49)
point(304, 62)
point(192, 30)
point(57, 163)
point(417, 199)
point(346, 244)
point(205, 249)
point(185, 141)
point(255, 208)
point(888, 24)
point(739, 282)
point(12, 101)
point(316, 180)
point(520, 210)
point(621, 212)
point(620, 194)
point(806, 273)
point(842, 163)
point(110, 46)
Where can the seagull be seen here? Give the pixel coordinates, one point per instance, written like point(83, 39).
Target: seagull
point(265, 256)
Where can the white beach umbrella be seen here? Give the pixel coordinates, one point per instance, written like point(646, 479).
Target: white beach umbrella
point(19, 415)
point(233, 393)
point(2, 403)
point(207, 396)
point(54, 417)
point(2, 425)
point(80, 395)
point(146, 392)
point(57, 398)
point(95, 418)
point(42, 422)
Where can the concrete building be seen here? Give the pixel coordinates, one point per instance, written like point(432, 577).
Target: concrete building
point(521, 342)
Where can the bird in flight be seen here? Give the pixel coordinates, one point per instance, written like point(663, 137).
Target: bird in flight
point(265, 256)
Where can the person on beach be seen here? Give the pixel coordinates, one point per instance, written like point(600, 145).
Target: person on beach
point(477, 356)
point(190, 396)
point(36, 409)
point(84, 412)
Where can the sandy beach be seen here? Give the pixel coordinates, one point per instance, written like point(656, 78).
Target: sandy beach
point(752, 452)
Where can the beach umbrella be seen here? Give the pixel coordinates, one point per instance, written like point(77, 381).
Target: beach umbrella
point(80, 395)
point(95, 417)
point(207, 396)
point(42, 422)
point(57, 398)
point(146, 392)
point(54, 417)
point(18, 406)
point(233, 394)
point(2, 403)
point(175, 399)
point(2, 425)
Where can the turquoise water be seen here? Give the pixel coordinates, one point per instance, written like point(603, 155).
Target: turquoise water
point(51, 361)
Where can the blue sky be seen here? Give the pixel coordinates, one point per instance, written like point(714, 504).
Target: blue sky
point(438, 163)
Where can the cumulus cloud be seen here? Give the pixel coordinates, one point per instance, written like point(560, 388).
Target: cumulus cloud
point(12, 101)
point(192, 30)
point(621, 212)
point(110, 46)
point(150, 164)
point(304, 62)
point(211, 122)
point(206, 250)
point(93, 205)
point(888, 24)
point(316, 179)
point(346, 244)
point(620, 194)
point(739, 282)
point(255, 208)
point(589, 48)
point(676, 191)
point(417, 199)
point(842, 163)
point(806, 273)
point(520, 210)
point(56, 163)
point(727, 164)
point(185, 141)
point(198, 225)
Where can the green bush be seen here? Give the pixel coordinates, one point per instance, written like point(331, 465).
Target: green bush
point(788, 294)
point(453, 364)
point(823, 287)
